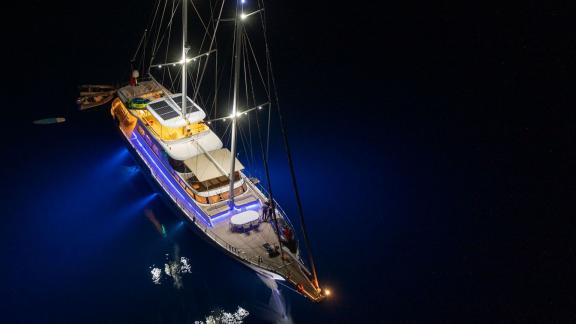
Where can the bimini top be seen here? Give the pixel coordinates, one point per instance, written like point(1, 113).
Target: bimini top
point(192, 146)
point(204, 168)
point(169, 113)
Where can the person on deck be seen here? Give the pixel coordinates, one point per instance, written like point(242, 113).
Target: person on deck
point(266, 211)
point(287, 234)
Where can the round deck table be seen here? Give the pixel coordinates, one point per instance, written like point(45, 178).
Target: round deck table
point(245, 219)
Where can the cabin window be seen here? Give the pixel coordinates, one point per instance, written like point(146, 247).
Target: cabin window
point(200, 199)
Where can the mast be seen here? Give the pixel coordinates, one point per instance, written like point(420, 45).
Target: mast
point(184, 50)
point(238, 39)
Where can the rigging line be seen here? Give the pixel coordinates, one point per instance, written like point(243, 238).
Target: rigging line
point(211, 22)
point(211, 25)
point(257, 65)
point(270, 194)
point(268, 73)
point(160, 27)
point(267, 172)
point(199, 17)
point(292, 171)
point(169, 30)
point(171, 80)
point(244, 50)
point(253, 93)
point(251, 82)
point(295, 185)
point(200, 99)
point(231, 76)
point(143, 57)
point(200, 58)
point(193, 85)
point(154, 47)
point(214, 100)
point(200, 51)
point(210, 108)
point(220, 81)
point(253, 160)
point(268, 127)
point(250, 72)
point(169, 27)
point(246, 90)
point(211, 43)
point(141, 64)
point(243, 140)
point(146, 38)
point(256, 115)
point(139, 44)
point(155, 14)
point(263, 23)
point(206, 33)
point(226, 133)
point(176, 79)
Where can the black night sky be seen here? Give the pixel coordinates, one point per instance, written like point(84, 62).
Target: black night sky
point(434, 142)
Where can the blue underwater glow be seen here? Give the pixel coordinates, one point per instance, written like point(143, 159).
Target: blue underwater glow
point(135, 207)
point(115, 159)
point(175, 229)
point(158, 169)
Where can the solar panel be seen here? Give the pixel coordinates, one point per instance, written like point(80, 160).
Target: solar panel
point(166, 110)
point(190, 107)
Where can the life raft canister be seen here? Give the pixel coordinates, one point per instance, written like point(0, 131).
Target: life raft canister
point(138, 103)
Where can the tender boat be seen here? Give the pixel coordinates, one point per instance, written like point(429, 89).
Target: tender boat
point(95, 95)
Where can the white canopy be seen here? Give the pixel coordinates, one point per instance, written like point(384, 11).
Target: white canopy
point(204, 168)
point(185, 149)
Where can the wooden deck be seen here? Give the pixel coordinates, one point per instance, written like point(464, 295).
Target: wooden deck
point(249, 245)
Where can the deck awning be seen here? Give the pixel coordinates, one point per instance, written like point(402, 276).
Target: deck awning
point(204, 168)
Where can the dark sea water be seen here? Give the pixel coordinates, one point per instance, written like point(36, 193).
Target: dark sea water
point(433, 150)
